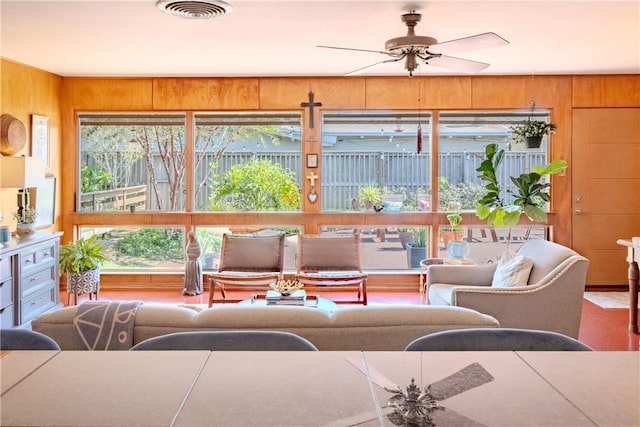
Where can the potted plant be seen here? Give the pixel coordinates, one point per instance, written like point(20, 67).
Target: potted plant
point(532, 131)
point(417, 251)
point(529, 198)
point(405, 235)
point(370, 195)
point(81, 261)
point(453, 232)
point(25, 222)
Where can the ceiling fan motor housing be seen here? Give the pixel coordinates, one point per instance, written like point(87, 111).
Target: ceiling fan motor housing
point(409, 43)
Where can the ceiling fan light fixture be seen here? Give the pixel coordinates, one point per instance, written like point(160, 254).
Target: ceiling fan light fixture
point(194, 9)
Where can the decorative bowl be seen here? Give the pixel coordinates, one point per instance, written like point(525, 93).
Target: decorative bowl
point(286, 287)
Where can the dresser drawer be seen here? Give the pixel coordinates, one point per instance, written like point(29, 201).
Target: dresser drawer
point(6, 293)
point(37, 304)
point(36, 280)
point(6, 317)
point(5, 268)
point(37, 256)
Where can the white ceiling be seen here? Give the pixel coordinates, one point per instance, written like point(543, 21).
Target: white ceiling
point(279, 38)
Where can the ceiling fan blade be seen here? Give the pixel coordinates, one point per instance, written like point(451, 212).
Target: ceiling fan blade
point(357, 50)
point(457, 64)
point(479, 41)
point(369, 67)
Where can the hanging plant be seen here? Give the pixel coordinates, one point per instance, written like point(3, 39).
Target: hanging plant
point(532, 131)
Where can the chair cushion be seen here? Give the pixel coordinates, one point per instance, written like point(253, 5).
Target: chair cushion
point(252, 253)
point(512, 270)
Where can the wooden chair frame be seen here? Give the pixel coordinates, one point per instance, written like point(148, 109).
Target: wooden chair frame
point(247, 262)
point(331, 261)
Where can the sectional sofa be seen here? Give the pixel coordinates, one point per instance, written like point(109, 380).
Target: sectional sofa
point(366, 328)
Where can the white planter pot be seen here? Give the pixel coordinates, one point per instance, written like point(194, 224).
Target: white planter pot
point(24, 231)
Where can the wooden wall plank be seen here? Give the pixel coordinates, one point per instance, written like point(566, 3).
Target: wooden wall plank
point(338, 93)
point(107, 94)
point(206, 94)
point(606, 91)
point(519, 91)
point(418, 92)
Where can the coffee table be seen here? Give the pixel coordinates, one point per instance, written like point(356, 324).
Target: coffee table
point(312, 301)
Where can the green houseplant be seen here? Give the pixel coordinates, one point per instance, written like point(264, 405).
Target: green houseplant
point(453, 231)
point(417, 250)
point(530, 196)
point(370, 195)
point(81, 261)
point(25, 221)
point(532, 131)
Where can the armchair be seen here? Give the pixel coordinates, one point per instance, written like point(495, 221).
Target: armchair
point(551, 300)
point(247, 262)
point(331, 261)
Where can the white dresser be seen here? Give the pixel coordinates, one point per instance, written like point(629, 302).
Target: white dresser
point(29, 278)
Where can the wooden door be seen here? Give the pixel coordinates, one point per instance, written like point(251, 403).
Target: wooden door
point(606, 189)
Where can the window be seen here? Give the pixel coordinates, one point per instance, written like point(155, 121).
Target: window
point(139, 248)
point(132, 160)
point(371, 157)
point(247, 161)
point(463, 137)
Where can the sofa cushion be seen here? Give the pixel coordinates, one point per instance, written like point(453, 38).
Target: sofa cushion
point(513, 270)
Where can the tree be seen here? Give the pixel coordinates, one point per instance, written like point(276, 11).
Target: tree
point(256, 185)
point(116, 147)
point(110, 149)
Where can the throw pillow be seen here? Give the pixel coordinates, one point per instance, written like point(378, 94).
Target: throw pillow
point(512, 270)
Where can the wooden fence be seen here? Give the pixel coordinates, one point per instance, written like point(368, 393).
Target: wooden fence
point(115, 200)
point(343, 173)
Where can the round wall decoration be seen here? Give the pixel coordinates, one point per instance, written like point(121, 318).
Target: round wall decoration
point(13, 135)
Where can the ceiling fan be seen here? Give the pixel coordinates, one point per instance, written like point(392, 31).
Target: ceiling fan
point(412, 48)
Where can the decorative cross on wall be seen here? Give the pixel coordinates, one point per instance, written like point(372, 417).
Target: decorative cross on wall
point(312, 178)
point(310, 105)
point(312, 195)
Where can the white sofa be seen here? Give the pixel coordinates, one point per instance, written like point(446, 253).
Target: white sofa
point(372, 327)
point(551, 300)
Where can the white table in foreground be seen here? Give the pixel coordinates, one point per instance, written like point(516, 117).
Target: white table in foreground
point(16, 365)
point(191, 388)
point(103, 388)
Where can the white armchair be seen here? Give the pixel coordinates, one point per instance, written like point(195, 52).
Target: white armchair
point(552, 299)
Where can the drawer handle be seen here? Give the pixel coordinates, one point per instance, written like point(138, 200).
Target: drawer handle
point(34, 278)
point(28, 261)
point(38, 301)
point(46, 254)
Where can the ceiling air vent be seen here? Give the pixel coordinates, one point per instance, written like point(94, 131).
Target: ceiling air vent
point(203, 9)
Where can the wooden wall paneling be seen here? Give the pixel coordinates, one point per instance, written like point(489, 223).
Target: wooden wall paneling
point(578, 173)
point(501, 92)
point(607, 142)
point(607, 268)
point(518, 91)
point(445, 92)
point(388, 93)
point(206, 94)
point(334, 93)
point(107, 94)
point(26, 90)
point(556, 95)
point(606, 91)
